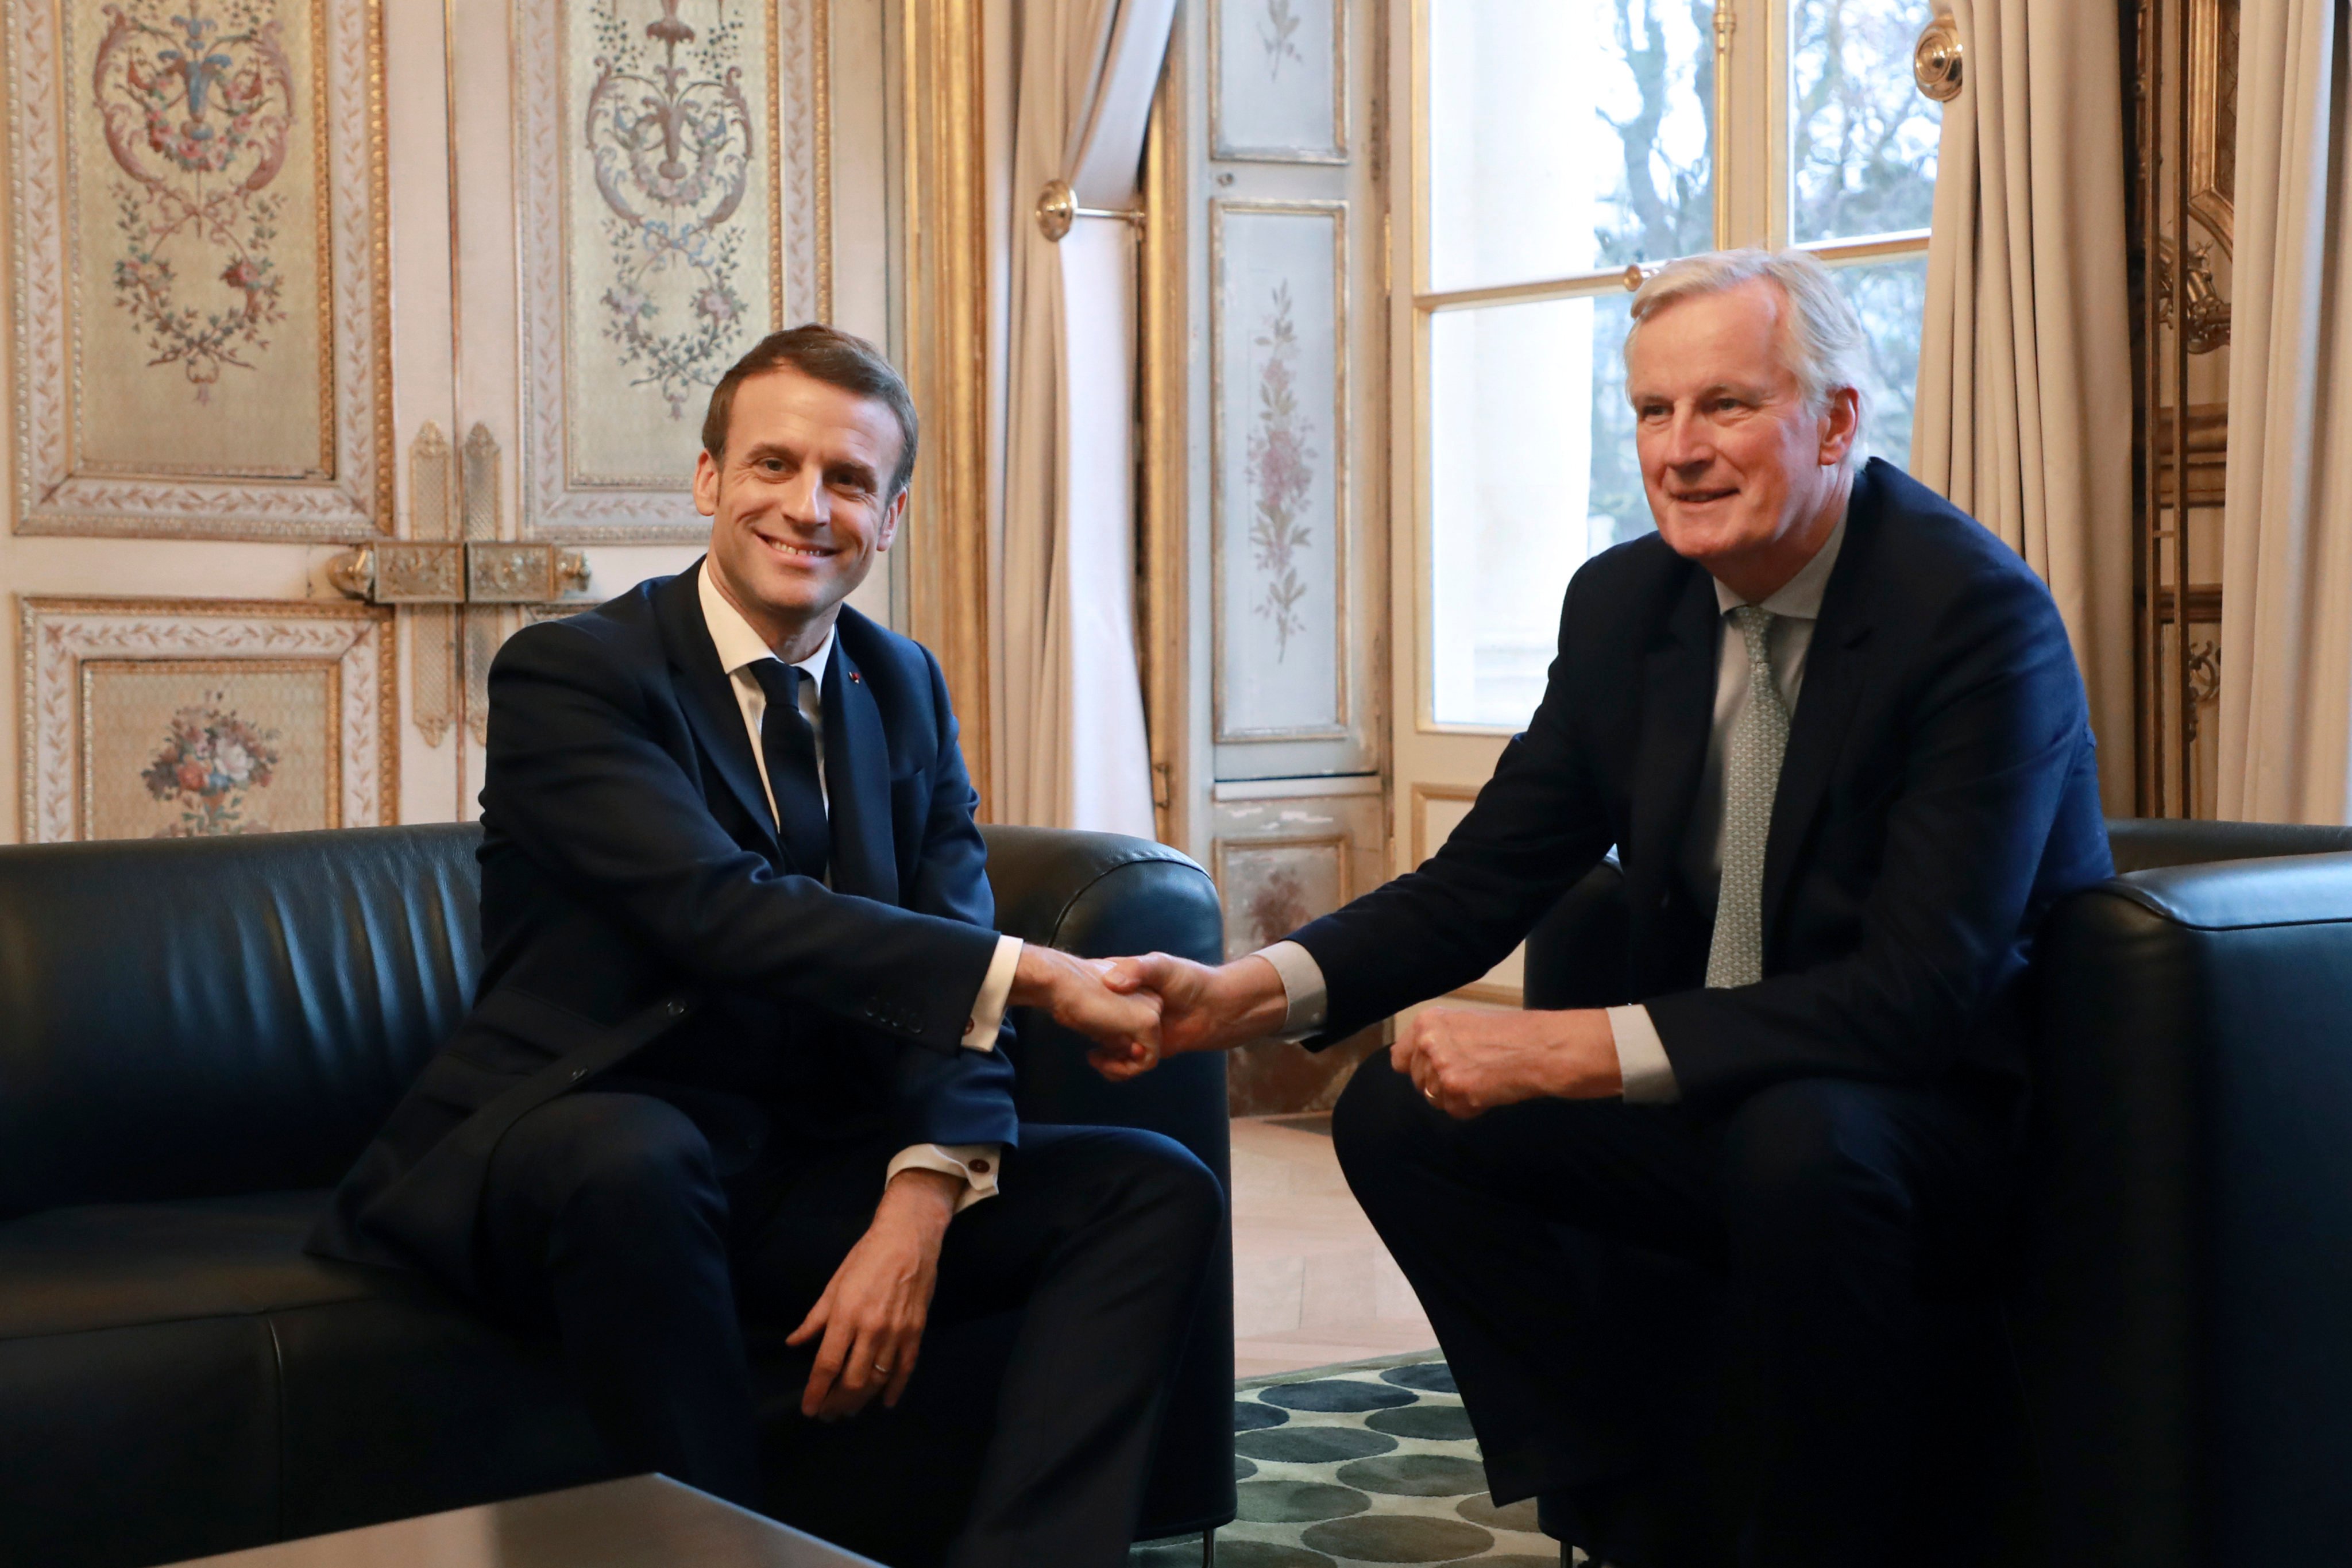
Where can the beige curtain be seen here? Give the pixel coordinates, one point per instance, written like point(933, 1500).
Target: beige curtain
point(2286, 572)
point(2023, 417)
point(1072, 743)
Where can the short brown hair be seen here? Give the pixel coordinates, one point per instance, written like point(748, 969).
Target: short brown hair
point(822, 353)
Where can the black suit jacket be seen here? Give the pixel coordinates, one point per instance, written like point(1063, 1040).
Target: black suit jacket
point(641, 923)
point(1939, 791)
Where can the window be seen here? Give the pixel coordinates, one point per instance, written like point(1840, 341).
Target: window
point(1563, 143)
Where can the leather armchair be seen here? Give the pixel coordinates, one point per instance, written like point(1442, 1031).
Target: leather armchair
point(202, 1035)
point(2182, 1319)
point(2184, 1322)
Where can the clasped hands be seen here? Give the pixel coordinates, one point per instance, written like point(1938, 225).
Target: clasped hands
point(1464, 1062)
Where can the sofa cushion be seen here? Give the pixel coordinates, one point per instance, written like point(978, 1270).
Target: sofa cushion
point(112, 1266)
point(180, 1378)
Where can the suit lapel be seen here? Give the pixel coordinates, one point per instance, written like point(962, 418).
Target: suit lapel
point(858, 783)
point(708, 700)
point(1835, 669)
point(1677, 712)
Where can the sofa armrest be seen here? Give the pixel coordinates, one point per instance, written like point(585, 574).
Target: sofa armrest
point(1101, 895)
point(2148, 843)
point(2183, 1320)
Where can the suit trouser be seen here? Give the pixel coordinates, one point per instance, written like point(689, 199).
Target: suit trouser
point(1699, 1339)
point(604, 1213)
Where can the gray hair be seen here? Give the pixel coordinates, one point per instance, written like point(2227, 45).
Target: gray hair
point(1821, 341)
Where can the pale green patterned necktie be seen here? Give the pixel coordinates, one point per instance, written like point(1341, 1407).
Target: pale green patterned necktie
point(1751, 775)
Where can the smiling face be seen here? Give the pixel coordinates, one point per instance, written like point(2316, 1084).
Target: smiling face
point(1742, 476)
point(797, 505)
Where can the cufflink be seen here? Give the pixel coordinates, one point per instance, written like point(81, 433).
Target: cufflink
point(979, 1167)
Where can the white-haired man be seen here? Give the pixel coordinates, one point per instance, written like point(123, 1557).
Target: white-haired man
point(1678, 1250)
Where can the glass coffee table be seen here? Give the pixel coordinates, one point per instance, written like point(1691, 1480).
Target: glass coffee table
point(645, 1522)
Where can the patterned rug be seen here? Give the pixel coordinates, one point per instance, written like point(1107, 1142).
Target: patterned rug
point(1369, 1462)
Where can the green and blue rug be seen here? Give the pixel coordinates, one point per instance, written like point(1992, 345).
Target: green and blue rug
point(1372, 1462)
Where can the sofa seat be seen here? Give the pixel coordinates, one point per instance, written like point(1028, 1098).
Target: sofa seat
point(268, 1394)
point(119, 1266)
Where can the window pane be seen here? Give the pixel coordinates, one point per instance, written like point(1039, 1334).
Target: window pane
point(1863, 153)
point(1531, 471)
point(1568, 136)
point(1890, 296)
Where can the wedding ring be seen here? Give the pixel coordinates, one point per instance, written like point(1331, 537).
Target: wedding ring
point(1428, 1095)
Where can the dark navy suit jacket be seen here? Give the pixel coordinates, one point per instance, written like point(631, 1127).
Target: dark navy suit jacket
point(641, 924)
point(1939, 791)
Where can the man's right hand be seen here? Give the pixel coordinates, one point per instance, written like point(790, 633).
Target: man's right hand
point(1200, 1008)
point(1123, 1024)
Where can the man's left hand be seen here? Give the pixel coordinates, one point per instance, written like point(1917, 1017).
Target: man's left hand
point(1464, 1063)
point(873, 1310)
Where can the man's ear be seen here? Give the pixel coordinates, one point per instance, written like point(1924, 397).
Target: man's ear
point(1840, 421)
point(892, 515)
point(705, 483)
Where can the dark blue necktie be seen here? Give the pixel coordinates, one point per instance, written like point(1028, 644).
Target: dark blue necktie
point(790, 749)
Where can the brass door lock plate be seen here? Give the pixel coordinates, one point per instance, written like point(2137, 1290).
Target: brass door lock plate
point(416, 572)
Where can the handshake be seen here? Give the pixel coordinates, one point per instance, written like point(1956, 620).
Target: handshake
point(1465, 1063)
point(1138, 1010)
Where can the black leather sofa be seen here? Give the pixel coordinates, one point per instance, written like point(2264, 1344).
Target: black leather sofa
point(2182, 1316)
point(196, 1037)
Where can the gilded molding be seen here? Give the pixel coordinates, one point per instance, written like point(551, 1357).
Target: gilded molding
point(945, 264)
point(2213, 118)
point(1162, 607)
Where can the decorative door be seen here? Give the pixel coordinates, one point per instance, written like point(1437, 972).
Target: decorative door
point(1285, 218)
point(345, 336)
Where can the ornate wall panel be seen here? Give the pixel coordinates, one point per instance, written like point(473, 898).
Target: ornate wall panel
point(199, 268)
point(671, 191)
point(1278, 71)
point(1278, 386)
point(199, 717)
point(1281, 860)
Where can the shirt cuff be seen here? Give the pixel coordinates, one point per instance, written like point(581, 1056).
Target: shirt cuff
point(1641, 1064)
point(975, 1163)
point(1302, 988)
point(995, 988)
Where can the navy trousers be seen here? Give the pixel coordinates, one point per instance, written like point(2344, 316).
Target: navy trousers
point(1701, 1340)
point(606, 1218)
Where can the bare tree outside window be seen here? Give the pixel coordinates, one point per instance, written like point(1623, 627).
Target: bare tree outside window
point(1565, 140)
point(1863, 137)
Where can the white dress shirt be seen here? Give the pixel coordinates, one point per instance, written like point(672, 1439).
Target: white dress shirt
point(1642, 1062)
point(741, 649)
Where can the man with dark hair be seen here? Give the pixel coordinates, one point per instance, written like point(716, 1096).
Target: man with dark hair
point(735, 1056)
point(822, 353)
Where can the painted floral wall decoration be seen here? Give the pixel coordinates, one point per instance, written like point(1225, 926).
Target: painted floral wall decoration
point(669, 130)
point(210, 762)
point(1276, 33)
point(1275, 907)
point(196, 108)
point(1282, 472)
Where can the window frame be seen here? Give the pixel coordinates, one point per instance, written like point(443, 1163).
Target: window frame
point(1753, 158)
